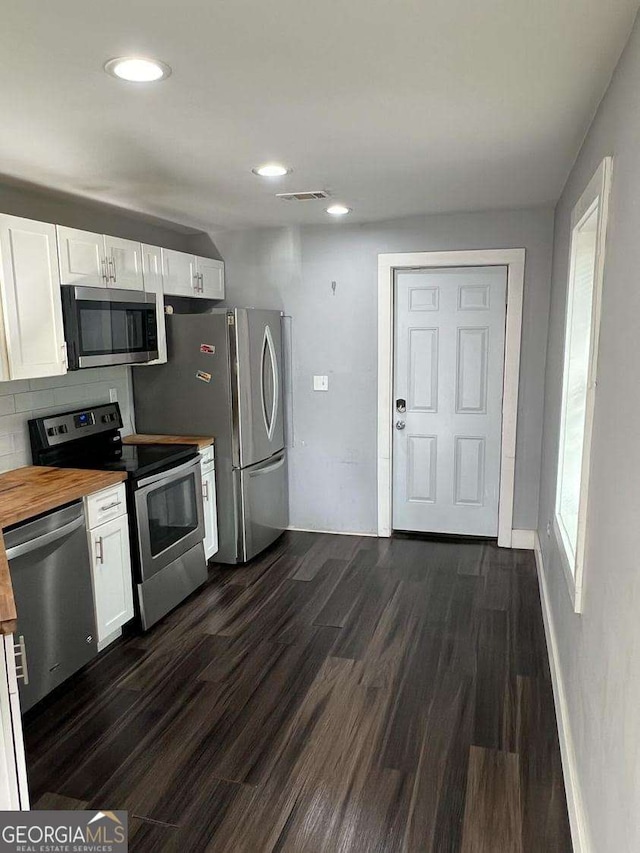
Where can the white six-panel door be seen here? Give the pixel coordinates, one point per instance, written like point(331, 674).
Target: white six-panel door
point(447, 399)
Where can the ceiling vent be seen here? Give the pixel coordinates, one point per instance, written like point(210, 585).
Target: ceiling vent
point(309, 195)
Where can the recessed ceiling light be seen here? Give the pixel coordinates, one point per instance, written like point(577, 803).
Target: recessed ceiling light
point(137, 70)
point(271, 170)
point(338, 210)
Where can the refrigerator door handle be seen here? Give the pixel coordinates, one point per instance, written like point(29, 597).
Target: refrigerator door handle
point(269, 407)
point(266, 469)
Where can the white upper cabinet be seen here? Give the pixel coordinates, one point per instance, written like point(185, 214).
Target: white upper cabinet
point(124, 259)
point(211, 278)
point(32, 329)
point(152, 271)
point(82, 257)
point(178, 273)
point(188, 275)
point(96, 260)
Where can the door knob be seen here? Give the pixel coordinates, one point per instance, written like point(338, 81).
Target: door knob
point(400, 424)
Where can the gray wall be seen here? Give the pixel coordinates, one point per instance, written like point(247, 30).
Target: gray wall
point(599, 651)
point(33, 202)
point(333, 444)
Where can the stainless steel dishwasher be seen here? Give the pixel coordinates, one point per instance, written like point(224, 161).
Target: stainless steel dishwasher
point(51, 575)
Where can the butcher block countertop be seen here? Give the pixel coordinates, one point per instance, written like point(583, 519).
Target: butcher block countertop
point(27, 492)
point(203, 441)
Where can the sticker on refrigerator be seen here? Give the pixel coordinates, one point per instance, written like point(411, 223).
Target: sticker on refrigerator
point(207, 349)
point(203, 376)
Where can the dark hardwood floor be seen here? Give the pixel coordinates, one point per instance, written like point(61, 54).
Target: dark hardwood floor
point(338, 694)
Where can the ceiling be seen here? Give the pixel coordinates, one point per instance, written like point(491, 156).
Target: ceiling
point(394, 106)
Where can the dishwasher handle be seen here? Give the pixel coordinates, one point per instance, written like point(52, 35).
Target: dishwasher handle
point(45, 539)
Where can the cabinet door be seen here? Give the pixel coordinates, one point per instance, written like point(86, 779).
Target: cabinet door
point(111, 572)
point(14, 793)
point(125, 263)
point(178, 273)
point(152, 273)
point(210, 513)
point(211, 273)
point(31, 299)
point(82, 257)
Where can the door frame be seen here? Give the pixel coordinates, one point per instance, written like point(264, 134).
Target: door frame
point(388, 264)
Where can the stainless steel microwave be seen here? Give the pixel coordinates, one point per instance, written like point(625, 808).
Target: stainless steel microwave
point(106, 326)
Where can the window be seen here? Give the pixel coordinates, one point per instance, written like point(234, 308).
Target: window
point(588, 227)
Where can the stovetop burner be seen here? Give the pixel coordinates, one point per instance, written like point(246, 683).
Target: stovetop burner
point(138, 460)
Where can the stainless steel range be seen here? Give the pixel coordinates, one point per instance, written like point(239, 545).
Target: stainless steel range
point(164, 495)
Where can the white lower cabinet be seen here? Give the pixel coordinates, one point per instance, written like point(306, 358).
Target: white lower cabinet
point(111, 574)
point(14, 793)
point(210, 503)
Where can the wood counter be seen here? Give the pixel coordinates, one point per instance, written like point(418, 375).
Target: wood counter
point(202, 441)
point(27, 492)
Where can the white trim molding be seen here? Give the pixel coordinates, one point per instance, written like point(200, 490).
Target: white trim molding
point(523, 539)
point(572, 553)
point(575, 807)
point(514, 260)
point(332, 532)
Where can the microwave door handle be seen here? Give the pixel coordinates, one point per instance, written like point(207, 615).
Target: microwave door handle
point(130, 329)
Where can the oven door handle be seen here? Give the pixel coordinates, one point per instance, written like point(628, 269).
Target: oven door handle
point(169, 474)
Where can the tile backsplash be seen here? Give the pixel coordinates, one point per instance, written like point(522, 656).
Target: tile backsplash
point(29, 398)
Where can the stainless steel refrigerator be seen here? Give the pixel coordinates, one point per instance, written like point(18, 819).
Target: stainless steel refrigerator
point(224, 378)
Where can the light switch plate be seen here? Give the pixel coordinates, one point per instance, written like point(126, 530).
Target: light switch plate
point(320, 383)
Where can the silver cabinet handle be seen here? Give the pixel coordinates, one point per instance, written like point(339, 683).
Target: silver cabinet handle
point(112, 264)
point(20, 651)
point(110, 506)
point(99, 550)
point(400, 424)
point(104, 263)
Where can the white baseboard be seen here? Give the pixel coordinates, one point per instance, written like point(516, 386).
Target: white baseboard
point(525, 539)
point(334, 532)
point(577, 821)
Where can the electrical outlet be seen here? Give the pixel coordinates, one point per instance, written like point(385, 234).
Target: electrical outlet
point(548, 528)
point(113, 395)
